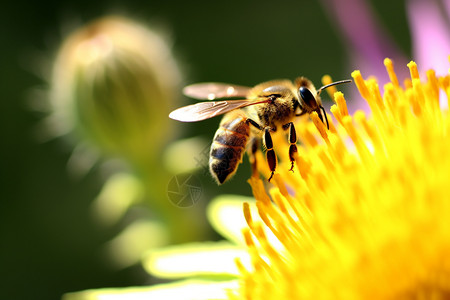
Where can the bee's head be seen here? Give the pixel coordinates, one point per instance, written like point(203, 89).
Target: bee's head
point(311, 102)
point(308, 100)
point(309, 97)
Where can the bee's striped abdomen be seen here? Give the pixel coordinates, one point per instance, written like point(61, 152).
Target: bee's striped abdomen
point(228, 146)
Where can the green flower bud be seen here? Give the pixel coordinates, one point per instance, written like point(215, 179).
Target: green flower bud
point(114, 83)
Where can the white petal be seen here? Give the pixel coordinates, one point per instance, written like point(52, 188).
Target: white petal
point(225, 214)
point(195, 259)
point(182, 290)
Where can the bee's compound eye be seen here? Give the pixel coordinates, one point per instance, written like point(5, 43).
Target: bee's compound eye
point(307, 97)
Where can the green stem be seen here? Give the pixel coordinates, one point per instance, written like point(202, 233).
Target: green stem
point(184, 224)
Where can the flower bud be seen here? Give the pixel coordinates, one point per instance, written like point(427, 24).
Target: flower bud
point(114, 83)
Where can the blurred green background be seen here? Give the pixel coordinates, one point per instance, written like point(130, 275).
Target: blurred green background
point(49, 242)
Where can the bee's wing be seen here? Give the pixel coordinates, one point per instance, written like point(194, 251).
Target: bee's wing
point(215, 90)
point(206, 110)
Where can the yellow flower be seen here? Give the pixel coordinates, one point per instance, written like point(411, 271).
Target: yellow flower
point(364, 215)
point(366, 212)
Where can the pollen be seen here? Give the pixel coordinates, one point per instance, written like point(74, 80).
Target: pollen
point(365, 214)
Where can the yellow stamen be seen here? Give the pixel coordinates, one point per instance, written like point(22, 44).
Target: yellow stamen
point(280, 184)
point(390, 98)
point(447, 91)
point(304, 166)
point(247, 214)
point(262, 214)
point(407, 83)
point(307, 137)
point(418, 94)
point(341, 103)
point(240, 266)
point(319, 125)
point(390, 69)
point(413, 70)
point(361, 85)
point(258, 190)
point(336, 113)
point(431, 76)
point(248, 237)
point(376, 100)
point(370, 198)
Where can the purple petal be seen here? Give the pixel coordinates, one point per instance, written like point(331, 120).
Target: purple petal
point(447, 9)
point(368, 44)
point(430, 35)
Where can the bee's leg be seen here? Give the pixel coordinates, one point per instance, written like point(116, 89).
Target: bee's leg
point(293, 142)
point(254, 145)
point(270, 154)
point(256, 125)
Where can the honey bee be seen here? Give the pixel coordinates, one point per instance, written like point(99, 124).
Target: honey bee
point(264, 109)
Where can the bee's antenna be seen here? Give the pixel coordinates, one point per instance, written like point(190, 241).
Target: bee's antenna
point(331, 84)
